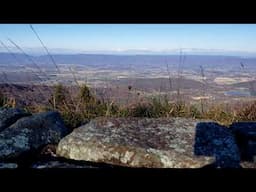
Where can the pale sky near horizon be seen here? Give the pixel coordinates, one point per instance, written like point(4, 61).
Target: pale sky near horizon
point(116, 37)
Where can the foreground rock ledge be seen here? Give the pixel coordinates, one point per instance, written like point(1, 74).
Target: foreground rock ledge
point(135, 142)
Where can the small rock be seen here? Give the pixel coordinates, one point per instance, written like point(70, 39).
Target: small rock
point(10, 116)
point(49, 150)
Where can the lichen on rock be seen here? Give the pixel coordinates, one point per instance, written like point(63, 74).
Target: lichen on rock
point(135, 142)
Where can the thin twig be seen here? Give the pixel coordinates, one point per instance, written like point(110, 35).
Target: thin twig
point(29, 58)
point(51, 57)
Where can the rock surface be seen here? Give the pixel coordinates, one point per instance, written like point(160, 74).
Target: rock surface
point(10, 116)
point(248, 165)
point(213, 139)
point(135, 142)
point(31, 133)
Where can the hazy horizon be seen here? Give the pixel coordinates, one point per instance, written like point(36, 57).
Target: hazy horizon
point(224, 39)
point(37, 51)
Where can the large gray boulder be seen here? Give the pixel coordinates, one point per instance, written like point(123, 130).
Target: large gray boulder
point(135, 142)
point(31, 133)
point(215, 140)
point(10, 116)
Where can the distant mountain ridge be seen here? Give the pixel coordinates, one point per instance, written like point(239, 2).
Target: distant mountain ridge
point(108, 61)
point(189, 51)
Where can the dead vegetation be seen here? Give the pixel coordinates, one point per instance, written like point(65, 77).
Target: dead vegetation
point(78, 106)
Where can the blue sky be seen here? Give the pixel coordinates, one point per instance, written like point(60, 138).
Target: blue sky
point(114, 37)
